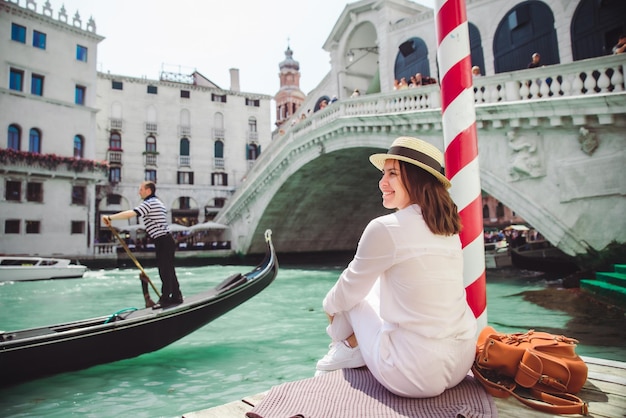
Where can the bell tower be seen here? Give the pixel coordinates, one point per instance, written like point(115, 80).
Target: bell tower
point(289, 98)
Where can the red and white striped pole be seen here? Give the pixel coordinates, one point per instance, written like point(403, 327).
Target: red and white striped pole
point(461, 145)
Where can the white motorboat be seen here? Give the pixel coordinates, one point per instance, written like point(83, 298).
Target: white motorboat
point(14, 268)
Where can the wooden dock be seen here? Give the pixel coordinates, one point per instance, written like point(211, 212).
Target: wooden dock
point(605, 392)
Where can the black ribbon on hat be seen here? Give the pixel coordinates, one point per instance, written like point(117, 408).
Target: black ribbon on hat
point(417, 156)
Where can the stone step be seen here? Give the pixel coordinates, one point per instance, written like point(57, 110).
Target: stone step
point(616, 295)
point(617, 279)
point(620, 268)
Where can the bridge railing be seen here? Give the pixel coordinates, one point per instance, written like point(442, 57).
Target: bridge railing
point(590, 77)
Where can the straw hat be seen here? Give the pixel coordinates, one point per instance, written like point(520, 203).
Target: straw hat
point(417, 152)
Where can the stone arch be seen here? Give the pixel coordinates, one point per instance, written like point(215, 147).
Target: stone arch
point(596, 27)
point(361, 67)
point(411, 58)
point(476, 47)
point(525, 29)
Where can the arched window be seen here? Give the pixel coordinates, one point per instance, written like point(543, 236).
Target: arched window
point(485, 211)
point(184, 146)
point(115, 141)
point(500, 210)
point(34, 141)
point(13, 137)
point(151, 145)
point(218, 149)
point(78, 146)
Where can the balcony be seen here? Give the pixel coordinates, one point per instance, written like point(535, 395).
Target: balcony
point(218, 133)
point(115, 156)
point(253, 136)
point(51, 166)
point(150, 159)
point(151, 127)
point(218, 164)
point(184, 130)
point(184, 161)
point(115, 124)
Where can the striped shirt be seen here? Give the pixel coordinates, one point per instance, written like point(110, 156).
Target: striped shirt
point(154, 216)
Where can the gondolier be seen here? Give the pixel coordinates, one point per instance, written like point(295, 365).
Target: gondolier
point(154, 213)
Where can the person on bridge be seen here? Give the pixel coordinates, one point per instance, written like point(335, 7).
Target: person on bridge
point(400, 307)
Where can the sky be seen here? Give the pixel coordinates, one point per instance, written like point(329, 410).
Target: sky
point(144, 37)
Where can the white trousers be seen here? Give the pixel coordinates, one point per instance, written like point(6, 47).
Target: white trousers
point(405, 363)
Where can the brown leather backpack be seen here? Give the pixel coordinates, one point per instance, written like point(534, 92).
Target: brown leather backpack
point(544, 363)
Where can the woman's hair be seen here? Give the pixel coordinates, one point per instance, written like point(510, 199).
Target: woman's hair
point(439, 211)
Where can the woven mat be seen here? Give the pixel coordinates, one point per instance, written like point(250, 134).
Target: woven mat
point(355, 393)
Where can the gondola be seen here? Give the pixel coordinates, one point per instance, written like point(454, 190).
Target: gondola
point(32, 353)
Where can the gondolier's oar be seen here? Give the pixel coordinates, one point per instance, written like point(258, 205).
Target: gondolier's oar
point(132, 257)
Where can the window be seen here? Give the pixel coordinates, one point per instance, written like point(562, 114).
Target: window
point(150, 175)
point(218, 98)
point(500, 210)
point(33, 227)
point(81, 53)
point(253, 102)
point(18, 33)
point(79, 97)
point(13, 190)
point(218, 149)
point(185, 94)
point(114, 199)
point(78, 146)
point(16, 79)
point(12, 226)
point(219, 202)
point(79, 195)
point(117, 85)
point(39, 39)
point(34, 192)
point(252, 152)
point(252, 125)
point(184, 202)
point(184, 177)
point(78, 227)
point(152, 89)
point(36, 85)
point(115, 141)
point(151, 145)
point(115, 174)
point(219, 179)
point(184, 146)
point(34, 141)
point(13, 137)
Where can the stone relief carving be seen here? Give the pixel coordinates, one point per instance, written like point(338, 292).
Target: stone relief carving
point(525, 159)
point(588, 140)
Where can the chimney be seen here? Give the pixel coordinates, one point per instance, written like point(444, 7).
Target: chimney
point(234, 79)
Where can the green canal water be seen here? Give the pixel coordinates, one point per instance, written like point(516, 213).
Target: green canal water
point(276, 337)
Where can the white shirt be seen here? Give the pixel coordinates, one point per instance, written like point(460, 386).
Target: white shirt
point(421, 278)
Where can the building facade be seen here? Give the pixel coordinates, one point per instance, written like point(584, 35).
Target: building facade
point(48, 119)
point(194, 139)
point(78, 143)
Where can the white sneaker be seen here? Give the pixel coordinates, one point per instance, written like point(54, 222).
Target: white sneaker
point(321, 372)
point(340, 356)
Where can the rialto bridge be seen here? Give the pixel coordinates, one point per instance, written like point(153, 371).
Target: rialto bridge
point(551, 146)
